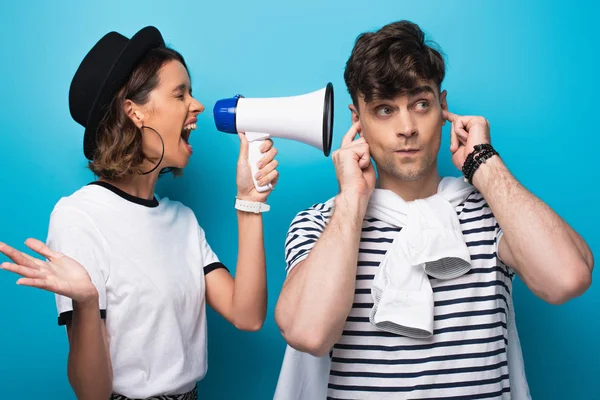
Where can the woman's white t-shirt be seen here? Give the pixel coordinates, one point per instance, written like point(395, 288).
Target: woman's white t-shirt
point(147, 258)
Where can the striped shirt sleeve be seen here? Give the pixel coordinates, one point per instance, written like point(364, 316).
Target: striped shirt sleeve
point(303, 233)
point(498, 238)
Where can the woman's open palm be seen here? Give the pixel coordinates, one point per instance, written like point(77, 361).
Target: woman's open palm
point(59, 274)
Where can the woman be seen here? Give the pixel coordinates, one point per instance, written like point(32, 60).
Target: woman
point(132, 272)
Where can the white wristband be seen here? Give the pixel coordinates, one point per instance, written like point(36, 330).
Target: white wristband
point(251, 206)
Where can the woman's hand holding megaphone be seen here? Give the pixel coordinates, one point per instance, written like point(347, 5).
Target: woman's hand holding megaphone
point(267, 172)
point(353, 166)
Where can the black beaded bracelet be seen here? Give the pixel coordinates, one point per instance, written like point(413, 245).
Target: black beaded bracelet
point(478, 156)
point(469, 161)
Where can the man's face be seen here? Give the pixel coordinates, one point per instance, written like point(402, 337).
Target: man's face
point(404, 133)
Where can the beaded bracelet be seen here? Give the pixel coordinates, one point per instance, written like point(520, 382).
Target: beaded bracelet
point(478, 156)
point(468, 164)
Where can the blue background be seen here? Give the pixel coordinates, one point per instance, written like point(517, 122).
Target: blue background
point(529, 67)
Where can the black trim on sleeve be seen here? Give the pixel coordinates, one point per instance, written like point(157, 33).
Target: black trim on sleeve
point(67, 316)
point(211, 267)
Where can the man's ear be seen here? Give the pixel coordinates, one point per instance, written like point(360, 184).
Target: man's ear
point(134, 113)
point(355, 115)
point(443, 102)
point(354, 111)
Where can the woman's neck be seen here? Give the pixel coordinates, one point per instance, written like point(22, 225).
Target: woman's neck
point(141, 186)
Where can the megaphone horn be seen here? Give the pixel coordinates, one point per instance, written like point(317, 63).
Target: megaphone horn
point(306, 118)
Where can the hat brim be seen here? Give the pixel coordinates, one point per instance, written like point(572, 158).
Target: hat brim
point(143, 41)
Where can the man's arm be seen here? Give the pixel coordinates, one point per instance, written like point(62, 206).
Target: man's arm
point(317, 296)
point(550, 257)
point(318, 293)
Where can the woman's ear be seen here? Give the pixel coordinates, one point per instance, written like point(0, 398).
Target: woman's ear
point(134, 113)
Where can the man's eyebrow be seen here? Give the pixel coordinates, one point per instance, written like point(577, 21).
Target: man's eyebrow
point(414, 92)
point(420, 90)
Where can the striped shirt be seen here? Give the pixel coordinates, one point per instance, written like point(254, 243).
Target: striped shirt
point(466, 358)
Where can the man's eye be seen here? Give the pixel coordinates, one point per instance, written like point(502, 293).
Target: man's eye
point(384, 111)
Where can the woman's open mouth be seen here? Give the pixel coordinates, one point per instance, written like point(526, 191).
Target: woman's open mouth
point(185, 135)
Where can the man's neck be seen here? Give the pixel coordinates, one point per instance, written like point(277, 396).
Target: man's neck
point(411, 190)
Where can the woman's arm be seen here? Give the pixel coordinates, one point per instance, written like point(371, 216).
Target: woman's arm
point(243, 300)
point(89, 365)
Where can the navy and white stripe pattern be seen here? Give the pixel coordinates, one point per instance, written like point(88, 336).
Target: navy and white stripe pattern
point(466, 356)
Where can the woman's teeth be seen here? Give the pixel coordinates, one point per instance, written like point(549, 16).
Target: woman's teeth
point(189, 127)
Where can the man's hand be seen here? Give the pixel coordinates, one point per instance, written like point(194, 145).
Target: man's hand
point(466, 132)
point(354, 170)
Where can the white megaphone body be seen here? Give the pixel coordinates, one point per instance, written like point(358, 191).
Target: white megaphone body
point(305, 118)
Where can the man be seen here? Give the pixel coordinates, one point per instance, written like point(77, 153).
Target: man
point(446, 336)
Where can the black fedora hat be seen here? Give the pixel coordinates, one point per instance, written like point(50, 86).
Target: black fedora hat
point(102, 73)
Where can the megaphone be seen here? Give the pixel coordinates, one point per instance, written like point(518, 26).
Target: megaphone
point(306, 118)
